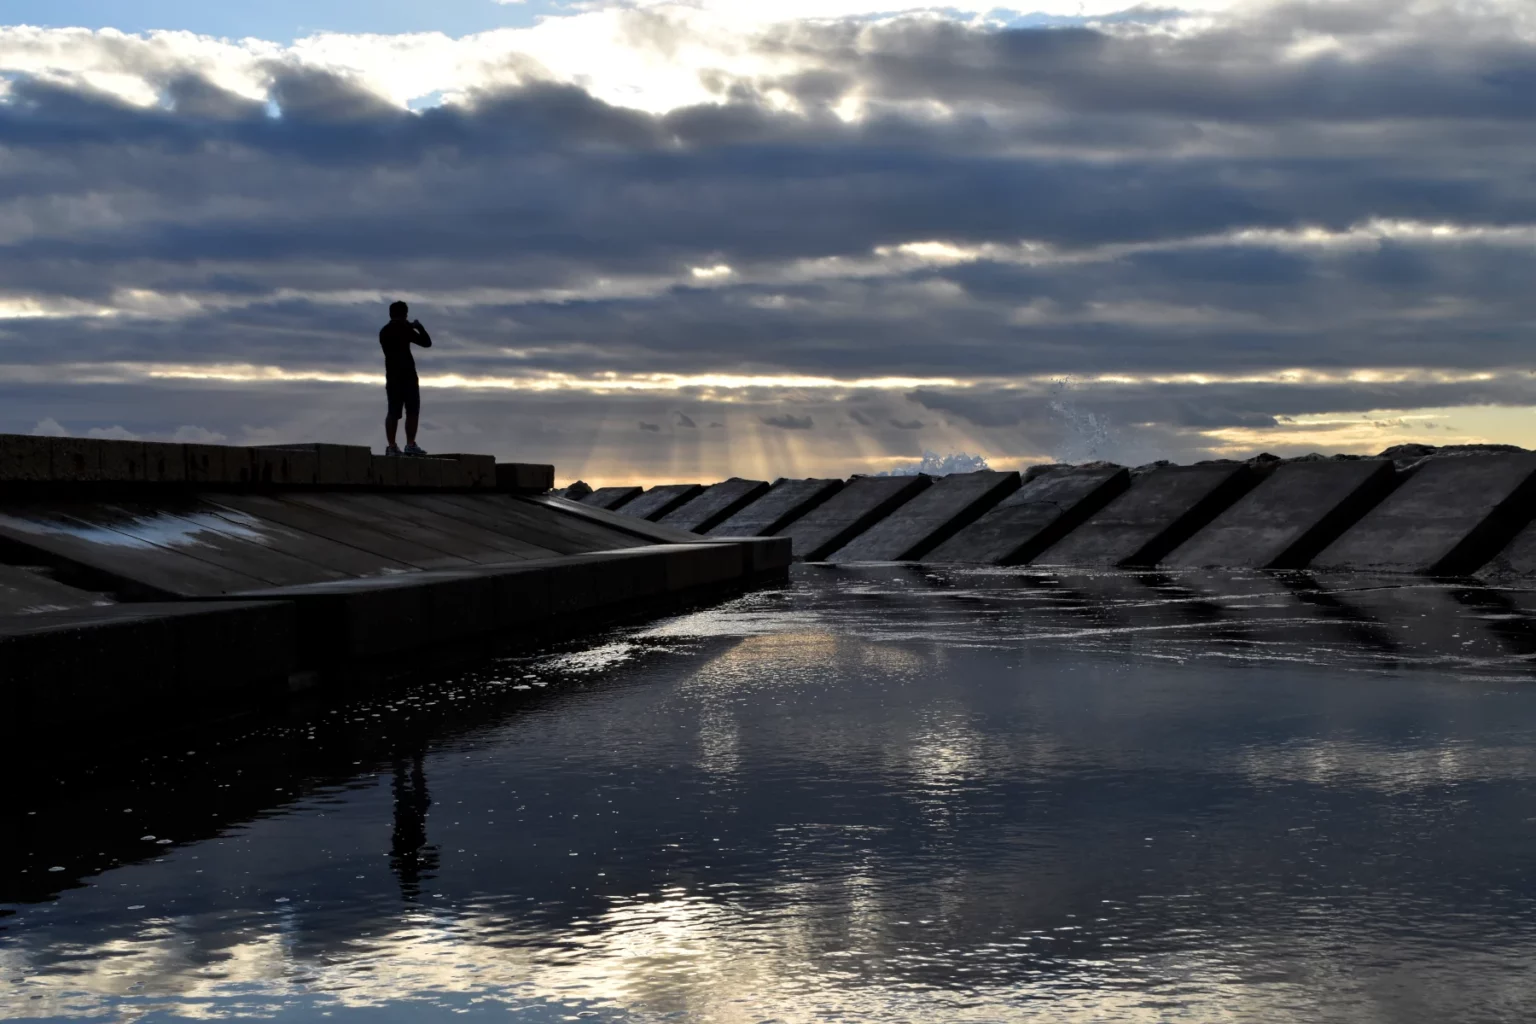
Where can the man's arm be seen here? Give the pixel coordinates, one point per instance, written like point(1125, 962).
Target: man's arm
point(421, 338)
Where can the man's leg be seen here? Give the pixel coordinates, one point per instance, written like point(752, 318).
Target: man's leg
point(412, 414)
point(392, 417)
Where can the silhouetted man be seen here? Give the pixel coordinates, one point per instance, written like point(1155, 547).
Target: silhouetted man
point(400, 381)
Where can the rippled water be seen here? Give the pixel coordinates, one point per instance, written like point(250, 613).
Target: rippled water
point(873, 795)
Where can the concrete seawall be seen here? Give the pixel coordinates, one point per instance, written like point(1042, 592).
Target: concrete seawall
point(1444, 512)
point(136, 578)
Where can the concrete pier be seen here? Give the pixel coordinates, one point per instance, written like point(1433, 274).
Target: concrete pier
point(932, 517)
point(782, 504)
point(1034, 517)
point(1156, 514)
point(259, 567)
point(852, 510)
point(1296, 512)
point(716, 505)
point(1450, 517)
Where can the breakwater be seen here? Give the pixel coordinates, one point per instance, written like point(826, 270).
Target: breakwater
point(1441, 512)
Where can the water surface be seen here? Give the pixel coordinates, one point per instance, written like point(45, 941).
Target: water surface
point(879, 794)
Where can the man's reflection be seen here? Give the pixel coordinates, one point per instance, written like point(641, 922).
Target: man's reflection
point(409, 855)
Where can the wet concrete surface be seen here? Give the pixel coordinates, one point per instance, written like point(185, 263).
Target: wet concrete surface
point(874, 794)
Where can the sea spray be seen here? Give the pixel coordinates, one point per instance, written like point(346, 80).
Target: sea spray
point(935, 464)
point(1086, 436)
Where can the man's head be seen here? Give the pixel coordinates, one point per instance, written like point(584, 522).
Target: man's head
point(399, 311)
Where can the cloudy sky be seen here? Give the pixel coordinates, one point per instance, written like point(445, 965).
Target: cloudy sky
point(682, 240)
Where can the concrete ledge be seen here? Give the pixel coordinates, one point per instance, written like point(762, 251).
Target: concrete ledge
point(385, 617)
point(764, 556)
point(93, 464)
point(480, 472)
point(131, 661)
point(658, 502)
point(716, 505)
point(336, 465)
point(930, 518)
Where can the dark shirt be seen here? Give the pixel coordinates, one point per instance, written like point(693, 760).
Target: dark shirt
point(396, 338)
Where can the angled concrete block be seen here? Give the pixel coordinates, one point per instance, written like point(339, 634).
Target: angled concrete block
point(657, 502)
point(1451, 516)
point(1159, 512)
point(25, 459)
point(165, 463)
point(854, 509)
point(611, 498)
point(525, 477)
point(780, 505)
point(929, 519)
point(1047, 508)
point(717, 504)
point(1292, 515)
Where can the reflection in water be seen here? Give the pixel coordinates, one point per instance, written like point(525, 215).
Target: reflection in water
point(887, 794)
point(411, 859)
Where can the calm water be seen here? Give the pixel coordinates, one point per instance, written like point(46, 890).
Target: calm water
point(872, 795)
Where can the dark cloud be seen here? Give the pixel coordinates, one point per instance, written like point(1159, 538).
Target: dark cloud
point(788, 422)
point(1167, 181)
point(907, 424)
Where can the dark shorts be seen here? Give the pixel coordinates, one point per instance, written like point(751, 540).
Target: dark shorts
point(403, 395)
